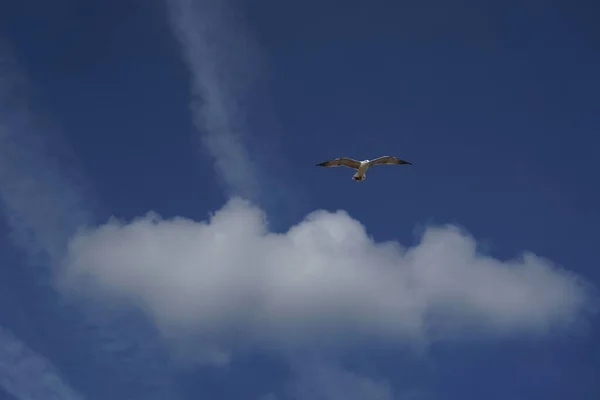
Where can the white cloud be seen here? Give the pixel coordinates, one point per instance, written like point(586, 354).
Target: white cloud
point(228, 282)
point(26, 374)
point(222, 59)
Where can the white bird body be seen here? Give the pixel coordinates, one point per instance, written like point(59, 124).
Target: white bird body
point(361, 172)
point(361, 167)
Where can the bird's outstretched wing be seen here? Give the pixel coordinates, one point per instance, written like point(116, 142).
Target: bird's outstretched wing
point(341, 162)
point(389, 160)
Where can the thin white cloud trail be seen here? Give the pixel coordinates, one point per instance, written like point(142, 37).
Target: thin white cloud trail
point(42, 207)
point(223, 62)
point(28, 375)
point(44, 203)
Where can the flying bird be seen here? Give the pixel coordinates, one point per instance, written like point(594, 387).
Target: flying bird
point(362, 166)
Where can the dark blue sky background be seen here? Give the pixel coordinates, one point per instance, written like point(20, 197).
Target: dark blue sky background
point(495, 103)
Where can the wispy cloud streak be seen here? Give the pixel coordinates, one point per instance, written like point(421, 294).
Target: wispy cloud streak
point(320, 379)
point(222, 60)
point(44, 207)
point(28, 375)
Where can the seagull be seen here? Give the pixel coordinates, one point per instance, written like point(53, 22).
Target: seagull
point(362, 166)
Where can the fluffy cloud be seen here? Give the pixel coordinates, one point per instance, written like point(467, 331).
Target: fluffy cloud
point(229, 281)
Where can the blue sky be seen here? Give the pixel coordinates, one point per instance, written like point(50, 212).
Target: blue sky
point(165, 233)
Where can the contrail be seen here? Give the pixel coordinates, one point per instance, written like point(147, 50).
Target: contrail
point(41, 206)
point(222, 60)
point(44, 207)
point(28, 375)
